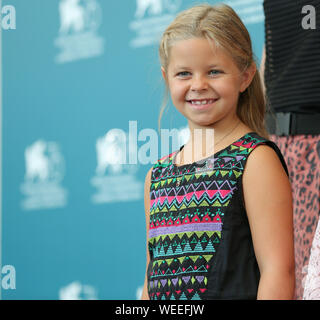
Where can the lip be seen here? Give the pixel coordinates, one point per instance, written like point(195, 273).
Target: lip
point(201, 106)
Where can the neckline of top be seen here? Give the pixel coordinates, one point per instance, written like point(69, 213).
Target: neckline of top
point(201, 163)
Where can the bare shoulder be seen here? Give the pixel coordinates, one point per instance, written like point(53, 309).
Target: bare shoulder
point(147, 181)
point(264, 178)
point(263, 161)
point(148, 175)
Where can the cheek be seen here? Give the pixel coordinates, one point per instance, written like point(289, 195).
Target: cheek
point(178, 92)
point(227, 89)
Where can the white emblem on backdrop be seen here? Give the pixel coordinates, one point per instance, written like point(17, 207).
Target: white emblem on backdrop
point(44, 173)
point(150, 20)
point(78, 37)
point(78, 291)
point(114, 179)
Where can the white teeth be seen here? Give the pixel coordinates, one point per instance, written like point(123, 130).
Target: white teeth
point(202, 102)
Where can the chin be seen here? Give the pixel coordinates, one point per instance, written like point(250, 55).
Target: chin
point(203, 122)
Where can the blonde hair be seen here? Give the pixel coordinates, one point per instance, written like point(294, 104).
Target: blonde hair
point(222, 25)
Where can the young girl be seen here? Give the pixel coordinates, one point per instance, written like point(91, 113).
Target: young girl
point(219, 224)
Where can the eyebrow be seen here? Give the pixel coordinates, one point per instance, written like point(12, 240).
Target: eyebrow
point(182, 67)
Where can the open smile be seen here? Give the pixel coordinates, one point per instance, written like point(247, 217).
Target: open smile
point(200, 104)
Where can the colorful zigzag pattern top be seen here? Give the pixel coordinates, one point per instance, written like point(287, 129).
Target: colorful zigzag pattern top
point(199, 241)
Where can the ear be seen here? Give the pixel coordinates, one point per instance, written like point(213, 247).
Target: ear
point(164, 75)
point(247, 76)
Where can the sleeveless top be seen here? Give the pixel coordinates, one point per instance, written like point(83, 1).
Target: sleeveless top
point(199, 238)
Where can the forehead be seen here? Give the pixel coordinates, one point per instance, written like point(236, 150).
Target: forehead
point(197, 51)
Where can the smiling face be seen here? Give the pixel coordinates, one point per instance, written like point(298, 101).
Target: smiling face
point(205, 83)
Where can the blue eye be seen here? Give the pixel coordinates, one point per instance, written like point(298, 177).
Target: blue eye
point(214, 72)
point(183, 74)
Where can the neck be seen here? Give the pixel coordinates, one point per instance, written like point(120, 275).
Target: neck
point(206, 135)
point(204, 141)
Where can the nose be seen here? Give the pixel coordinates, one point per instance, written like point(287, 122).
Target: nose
point(199, 83)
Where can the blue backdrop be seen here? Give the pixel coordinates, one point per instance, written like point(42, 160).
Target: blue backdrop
point(73, 71)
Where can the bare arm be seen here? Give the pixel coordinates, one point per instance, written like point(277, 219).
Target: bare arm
point(262, 67)
point(147, 184)
point(268, 201)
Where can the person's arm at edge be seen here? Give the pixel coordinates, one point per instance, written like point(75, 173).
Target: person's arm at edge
point(147, 184)
point(262, 68)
